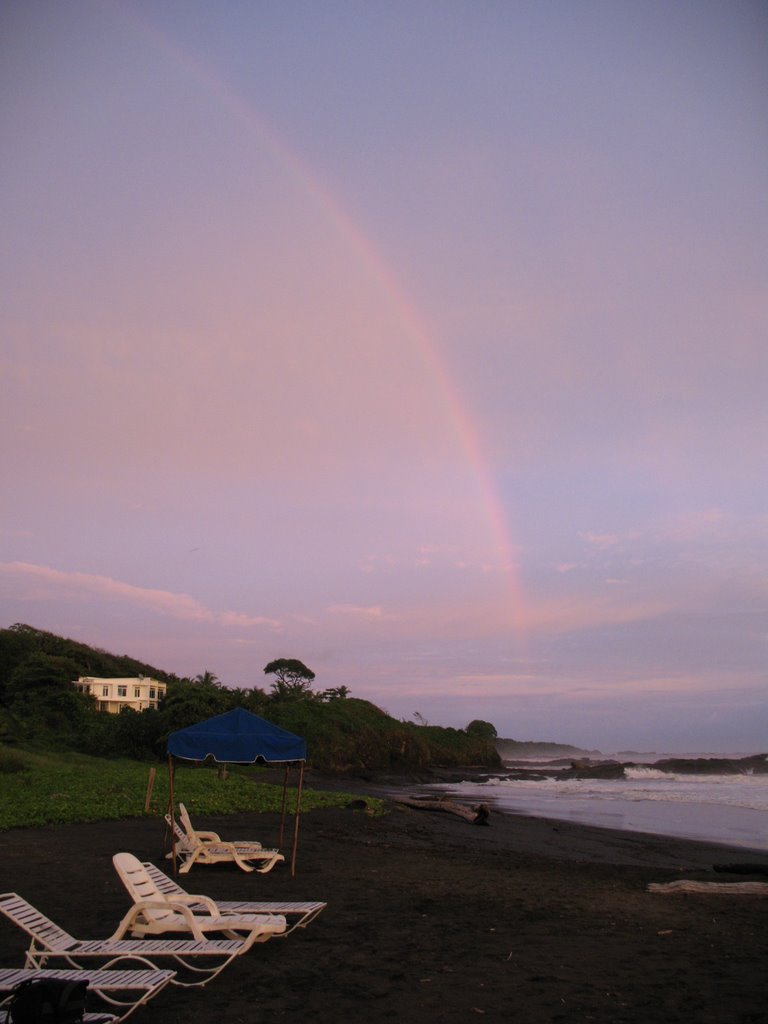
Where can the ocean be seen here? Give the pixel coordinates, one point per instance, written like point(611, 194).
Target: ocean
point(702, 803)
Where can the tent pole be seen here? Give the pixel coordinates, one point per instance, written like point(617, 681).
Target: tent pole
point(296, 819)
point(170, 811)
point(282, 809)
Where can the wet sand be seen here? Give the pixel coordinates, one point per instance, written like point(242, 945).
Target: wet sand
point(432, 919)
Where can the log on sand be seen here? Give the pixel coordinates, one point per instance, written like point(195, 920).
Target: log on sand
point(476, 815)
point(682, 885)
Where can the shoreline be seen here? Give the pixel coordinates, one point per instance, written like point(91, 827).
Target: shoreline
point(563, 835)
point(431, 918)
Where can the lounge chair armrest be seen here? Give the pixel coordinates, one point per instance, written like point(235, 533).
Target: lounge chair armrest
point(207, 837)
point(137, 910)
point(196, 900)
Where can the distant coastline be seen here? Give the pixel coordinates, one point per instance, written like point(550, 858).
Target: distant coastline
point(512, 749)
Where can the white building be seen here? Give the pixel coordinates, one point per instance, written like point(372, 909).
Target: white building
point(137, 692)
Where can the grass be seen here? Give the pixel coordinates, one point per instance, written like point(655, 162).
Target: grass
point(61, 788)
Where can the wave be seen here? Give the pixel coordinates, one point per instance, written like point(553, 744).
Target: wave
point(731, 808)
point(586, 768)
point(689, 778)
point(635, 785)
point(647, 773)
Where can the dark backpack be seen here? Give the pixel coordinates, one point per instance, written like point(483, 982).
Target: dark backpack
point(47, 1001)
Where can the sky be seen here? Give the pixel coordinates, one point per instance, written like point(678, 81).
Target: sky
point(423, 342)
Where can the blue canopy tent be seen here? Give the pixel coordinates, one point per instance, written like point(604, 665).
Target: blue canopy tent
point(240, 737)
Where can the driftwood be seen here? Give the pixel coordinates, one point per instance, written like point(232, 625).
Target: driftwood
point(713, 888)
point(476, 815)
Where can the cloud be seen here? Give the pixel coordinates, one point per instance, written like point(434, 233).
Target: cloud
point(602, 541)
point(41, 581)
point(373, 612)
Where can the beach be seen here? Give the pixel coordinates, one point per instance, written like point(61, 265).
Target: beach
point(430, 918)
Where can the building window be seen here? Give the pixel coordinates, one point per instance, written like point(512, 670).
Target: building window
point(151, 693)
point(122, 691)
point(105, 691)
point(137, 691)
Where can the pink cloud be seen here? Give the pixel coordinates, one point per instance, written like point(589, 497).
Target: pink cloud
point(38, 581)
point(373, 612)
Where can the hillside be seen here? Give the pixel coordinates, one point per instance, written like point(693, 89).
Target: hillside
point(20, 643)
point(39, 706)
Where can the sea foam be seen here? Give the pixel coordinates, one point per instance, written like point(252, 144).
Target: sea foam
point(731, 808)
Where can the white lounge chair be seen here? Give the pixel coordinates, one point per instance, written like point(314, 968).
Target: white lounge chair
point(298, 915)
point(153, 913)
point(50, 942)
point(212, 837)
point(193, 847)
point(124, 990)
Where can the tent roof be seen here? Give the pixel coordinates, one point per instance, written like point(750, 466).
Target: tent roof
point(236, 737)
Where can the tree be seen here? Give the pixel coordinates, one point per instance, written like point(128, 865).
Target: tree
point(293, 680)
point(335, 693)
point(483, 730)
point(42, 673)
point(207, 679)
point(187, 702)
point(41, 692)
point(253, 699)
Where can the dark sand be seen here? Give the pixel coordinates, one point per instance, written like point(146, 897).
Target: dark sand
point(433, 919)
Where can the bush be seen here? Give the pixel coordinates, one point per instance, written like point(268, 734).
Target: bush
point(11, 762)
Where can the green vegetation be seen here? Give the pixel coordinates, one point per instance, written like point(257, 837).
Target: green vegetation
point(49, 789)
point(41, 710)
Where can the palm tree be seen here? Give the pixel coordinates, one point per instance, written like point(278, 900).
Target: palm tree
point(207, 679)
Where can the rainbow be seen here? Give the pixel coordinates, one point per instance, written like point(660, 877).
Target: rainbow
point(467, 435)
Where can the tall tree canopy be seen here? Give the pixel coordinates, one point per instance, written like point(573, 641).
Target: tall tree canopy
point(481, 729)
point(292, 678)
